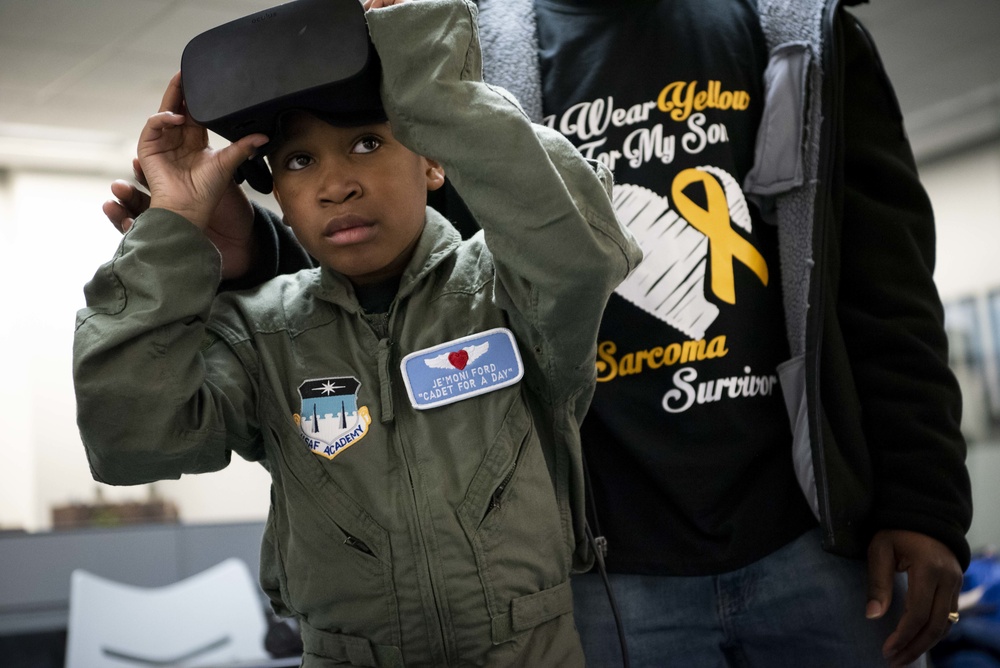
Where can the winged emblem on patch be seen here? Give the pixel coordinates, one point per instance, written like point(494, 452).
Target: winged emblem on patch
point(458, 359)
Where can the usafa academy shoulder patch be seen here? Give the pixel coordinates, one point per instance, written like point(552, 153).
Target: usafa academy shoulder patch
point(330, 420)
point(463, 368)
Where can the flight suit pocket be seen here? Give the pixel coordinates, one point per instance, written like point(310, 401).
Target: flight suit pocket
point(322, 648)
point(529, 611)
point(331, 559)
point(512, 519)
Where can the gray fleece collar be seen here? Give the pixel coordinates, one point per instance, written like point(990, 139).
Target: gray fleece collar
point(509, 36)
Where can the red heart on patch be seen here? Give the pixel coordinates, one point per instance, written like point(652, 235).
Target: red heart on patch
point(459, 359)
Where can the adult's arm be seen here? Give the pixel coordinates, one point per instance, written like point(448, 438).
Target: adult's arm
point(892, 320)
point(274, 252)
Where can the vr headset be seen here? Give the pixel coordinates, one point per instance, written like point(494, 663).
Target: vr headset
point(313, 55)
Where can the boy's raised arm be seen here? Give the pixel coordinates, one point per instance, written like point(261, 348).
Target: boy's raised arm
point(546, 213)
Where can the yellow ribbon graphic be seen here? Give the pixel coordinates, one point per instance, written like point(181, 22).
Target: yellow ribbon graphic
point(725, 244)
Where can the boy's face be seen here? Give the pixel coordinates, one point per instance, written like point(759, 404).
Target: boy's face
point(353, 196)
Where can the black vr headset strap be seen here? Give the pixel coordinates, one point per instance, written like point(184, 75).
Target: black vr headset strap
point(255, 172)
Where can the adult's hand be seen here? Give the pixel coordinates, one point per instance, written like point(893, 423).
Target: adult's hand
point(129, 201)
point(934, 579)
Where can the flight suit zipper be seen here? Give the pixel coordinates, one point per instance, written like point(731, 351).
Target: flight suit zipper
point(382, 328)
point(497, 495)
point(357, 544)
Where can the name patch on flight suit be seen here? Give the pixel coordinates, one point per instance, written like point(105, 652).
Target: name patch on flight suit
point(463, 368)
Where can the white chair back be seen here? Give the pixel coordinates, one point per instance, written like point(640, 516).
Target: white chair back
point(214, 618)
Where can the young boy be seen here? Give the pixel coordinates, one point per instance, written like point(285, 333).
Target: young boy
point(416, 399)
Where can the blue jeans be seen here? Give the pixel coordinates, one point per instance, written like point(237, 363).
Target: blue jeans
point(799, 606)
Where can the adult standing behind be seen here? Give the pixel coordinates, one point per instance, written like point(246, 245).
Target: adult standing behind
point(761, 161)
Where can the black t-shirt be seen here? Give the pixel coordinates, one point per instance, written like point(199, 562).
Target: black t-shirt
point(687, 441)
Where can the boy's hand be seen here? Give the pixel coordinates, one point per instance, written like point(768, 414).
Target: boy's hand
point(184, 174)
